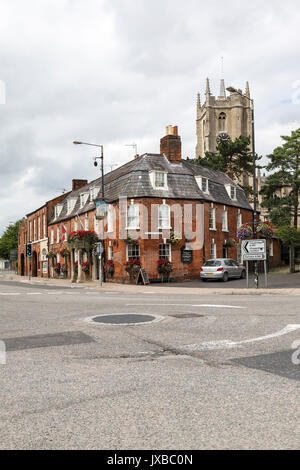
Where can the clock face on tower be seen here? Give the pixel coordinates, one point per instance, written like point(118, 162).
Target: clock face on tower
point(223, 136)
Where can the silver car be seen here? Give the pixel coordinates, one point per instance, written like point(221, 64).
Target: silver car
point(222, 269)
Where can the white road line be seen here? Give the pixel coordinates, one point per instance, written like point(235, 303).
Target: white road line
point(217, 306)
point(34, 293)
point(227, 344)
point(10, 293)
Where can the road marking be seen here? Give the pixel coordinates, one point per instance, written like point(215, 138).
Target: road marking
point(9, 293)
point(227, 344)
point(34, 293)
point(217, 306)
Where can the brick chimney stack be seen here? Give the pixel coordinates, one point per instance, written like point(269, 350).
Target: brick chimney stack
point(77, 184)
point(170, 145)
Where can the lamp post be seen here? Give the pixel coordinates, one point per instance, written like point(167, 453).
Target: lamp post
point(76, 142)
point(234, 90)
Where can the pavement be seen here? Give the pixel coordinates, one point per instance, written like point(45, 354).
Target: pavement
point(283, 284)
point(212, 372)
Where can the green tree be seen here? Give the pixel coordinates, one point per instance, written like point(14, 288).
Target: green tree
point(233, 155)
point(281, 189)
point(9, 239)
point(290, 237)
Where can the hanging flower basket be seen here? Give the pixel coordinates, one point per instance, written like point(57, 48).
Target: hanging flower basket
point(266, 229)
point(109, 268)
point(64, 252)
point(131, 240)
point(229, 243)
point(132, 268)
point(164, 268)
point(244, 232)
point(50, 255)
point(82, 239)
point(174, 238)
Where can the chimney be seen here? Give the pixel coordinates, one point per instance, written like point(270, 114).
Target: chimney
point(77, 184)
point(170, 145)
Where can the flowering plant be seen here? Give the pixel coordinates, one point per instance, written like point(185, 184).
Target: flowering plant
point(164, 266)
point(244, 232)
point(76, 266)
point(82, 238)
point(133, 267)
point(85, 267)
point(57, 267)
point(109, 267)
point(266, 229)
point(174, 238)
point(64, 252)
point(50, 255)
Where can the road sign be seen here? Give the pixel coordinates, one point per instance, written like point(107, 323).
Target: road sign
point(253, 250)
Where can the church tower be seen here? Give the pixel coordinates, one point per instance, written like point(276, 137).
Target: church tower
point(222, 116)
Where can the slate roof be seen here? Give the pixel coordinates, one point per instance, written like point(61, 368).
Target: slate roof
point(132, 180)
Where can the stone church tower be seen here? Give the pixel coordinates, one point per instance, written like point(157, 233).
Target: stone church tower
point(222, 116)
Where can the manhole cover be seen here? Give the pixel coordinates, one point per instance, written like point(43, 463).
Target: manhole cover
point(124, 319)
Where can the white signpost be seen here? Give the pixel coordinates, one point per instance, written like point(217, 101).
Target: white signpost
point(255, 250)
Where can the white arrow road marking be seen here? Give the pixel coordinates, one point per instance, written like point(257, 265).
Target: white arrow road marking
point(193, 305)
point(227, 344)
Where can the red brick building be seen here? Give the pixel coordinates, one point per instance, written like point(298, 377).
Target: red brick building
point(159, 206)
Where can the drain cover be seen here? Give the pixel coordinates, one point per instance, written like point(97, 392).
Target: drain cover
point(124, 319)
point(186, 315)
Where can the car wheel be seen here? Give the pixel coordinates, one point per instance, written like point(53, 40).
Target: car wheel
point(225, 277)
point(203, 280)
point(243, 275)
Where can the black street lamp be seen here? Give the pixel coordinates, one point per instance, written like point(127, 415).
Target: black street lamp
point(234, 90)
point(76, 142)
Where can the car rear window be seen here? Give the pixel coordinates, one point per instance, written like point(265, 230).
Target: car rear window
point(212, 263)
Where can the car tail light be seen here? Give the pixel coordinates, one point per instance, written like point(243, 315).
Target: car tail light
point(201, 269)
point(220, 269)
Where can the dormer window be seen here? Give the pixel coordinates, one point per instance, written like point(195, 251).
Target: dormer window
point(94, 192)
point(159, 179)
point(231, 190)
point(71, 204)
point(203, 184)
point(57, 210)
point(83, 199)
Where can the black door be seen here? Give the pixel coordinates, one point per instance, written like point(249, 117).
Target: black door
point(22, 264)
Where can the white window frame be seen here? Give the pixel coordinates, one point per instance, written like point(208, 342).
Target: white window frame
point(34, 229)
point(130, 246)
point(75, 225)
point(39, 227)
point(52, 237)
point(239, 220)
point(212, 211)
point(200, 181)
point(165, 247)
point(110, 253)
point(229, 188)
point(94, 192)
point(135, 219)
point(57, 210)
point(71, 204)
point(271, 252)
point(164, 220)
point(110, 219)
point(152, 175)
point(86, 223)
point(83, 199)
point(213, 250)
point(224, 221)
point(57, 234)
point(44, 225)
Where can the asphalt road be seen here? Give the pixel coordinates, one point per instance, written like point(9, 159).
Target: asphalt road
point(212, 372)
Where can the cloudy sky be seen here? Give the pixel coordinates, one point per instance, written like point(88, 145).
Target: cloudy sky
point(117, 72)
